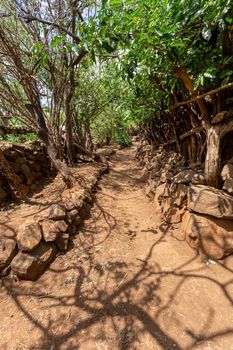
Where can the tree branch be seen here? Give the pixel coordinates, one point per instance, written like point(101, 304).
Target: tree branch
point(212, 92)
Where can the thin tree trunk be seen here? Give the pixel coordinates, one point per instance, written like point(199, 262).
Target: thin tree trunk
point(43, 133)
point(69, 93)
point(213, 156)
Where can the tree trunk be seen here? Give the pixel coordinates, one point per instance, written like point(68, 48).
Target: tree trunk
point(69, 124)
point(44, 135)
point(88, 142)
point(214, 136)
point(213, 156)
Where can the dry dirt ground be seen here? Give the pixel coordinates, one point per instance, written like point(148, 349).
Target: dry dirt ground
point(127, 282)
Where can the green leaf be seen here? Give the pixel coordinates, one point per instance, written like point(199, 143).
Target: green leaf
point(93, 56)
point(36, 49)
point(208, 75)
point(206, 33)
point(179, 43)
point(57, 40)
point(108, 47)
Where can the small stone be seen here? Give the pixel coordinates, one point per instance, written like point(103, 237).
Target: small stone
point(57, 212)
point(51, 229)
point(25, 170)
point(180, 195)
point(74, 217)
point(8, 249)
point(171, 213)
point(166, 176)
point(228, 186)
point(227, 172)
point(198, 179)
point(29, 235)
point(184, 177)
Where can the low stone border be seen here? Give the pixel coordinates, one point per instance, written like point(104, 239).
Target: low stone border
point(40, 238)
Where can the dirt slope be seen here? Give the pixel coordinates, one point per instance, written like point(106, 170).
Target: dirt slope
point(127, 282)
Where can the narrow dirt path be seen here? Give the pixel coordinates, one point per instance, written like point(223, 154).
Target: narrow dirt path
point(127, 283)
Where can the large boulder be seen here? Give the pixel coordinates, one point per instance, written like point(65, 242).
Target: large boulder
point(213, 237)
point(31, 265)
point(29, 235)
point(8, 250)
point(210, 201)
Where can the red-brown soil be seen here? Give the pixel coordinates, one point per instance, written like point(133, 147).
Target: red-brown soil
point(127, 282)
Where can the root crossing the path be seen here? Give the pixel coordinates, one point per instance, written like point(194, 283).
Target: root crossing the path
point(128, 282)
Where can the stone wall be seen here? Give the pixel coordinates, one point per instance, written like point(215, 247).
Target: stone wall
point(181, 196)
point(30, 163)
point(40, 237)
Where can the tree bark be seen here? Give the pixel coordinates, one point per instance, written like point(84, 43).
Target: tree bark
point(189, 84)
point(214, 136)
point(213, 156)
point(44, 135)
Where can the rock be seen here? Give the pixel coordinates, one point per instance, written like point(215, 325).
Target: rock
point(151, 188)
point(3, 195)
point(8, 250)
point(171, 213)
point(57, 212)
point(210, 201)
point(198, 179)
point(62, 241)
point(184, 177)
point(166, 176)
point(31, 265)
point(228, 186)
point(227, 172)
point(20, 160)
point(25, 170)
point(214, 237)
point(51, 229)
point(5, 271)
point(29, 235)
point(180, 195)
point(161, 191)
point(92, 179)
point(74, 217)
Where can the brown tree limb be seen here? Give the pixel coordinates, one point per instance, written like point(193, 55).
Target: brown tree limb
point(212, 92)
point(30, 18)
point(15, 130)
point(189, 84)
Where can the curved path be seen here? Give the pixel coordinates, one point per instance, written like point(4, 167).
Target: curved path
point(129, 282)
